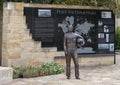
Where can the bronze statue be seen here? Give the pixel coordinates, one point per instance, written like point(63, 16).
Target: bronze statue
point(70, 48)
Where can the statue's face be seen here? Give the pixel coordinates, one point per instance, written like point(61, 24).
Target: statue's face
point(70, 29)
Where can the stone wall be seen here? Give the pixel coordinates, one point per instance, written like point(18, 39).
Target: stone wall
point(1, 36)
point(89, 60)
point(18, 48)
point(117, 22)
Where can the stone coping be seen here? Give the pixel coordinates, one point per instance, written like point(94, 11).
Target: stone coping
point(63, 6)
point(87, 55)
point(6, 75)
point(4, 68)
point(58, 6)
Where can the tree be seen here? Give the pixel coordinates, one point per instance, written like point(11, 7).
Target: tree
point(112, 4)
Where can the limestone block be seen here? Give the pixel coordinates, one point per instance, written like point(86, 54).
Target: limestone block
point(60, 53)
point(16, 13)
point(50, 54)
point(12, 45)
point(52, 49)
point(14, 53)
point(26, 44)
point(26, 50)
point(13, 50)
point(18, 62)
point(38, 60)
point(118, 59)
point(13, 26)
point(6, 13)
point(27, 59)
point(37, 44)
point(14, 37)
point(48, 59)
point(5, 59)
point(104, 60)
point(34, 50)
point(4, 36)
point(17, 20)
point(22, 61)
point(98, 60)
point(49, 49)
point(29, 46)
point(26, 38)
point(35, 61)
point(17, 30)
point(33, 55)
point(18, 37)
point(6, 20)
point(19, 6)
point(6, 75)
point(90, 61)
point(5, 28)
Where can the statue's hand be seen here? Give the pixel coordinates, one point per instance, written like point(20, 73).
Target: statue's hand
point(66, 53)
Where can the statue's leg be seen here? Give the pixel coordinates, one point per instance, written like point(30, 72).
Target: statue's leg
point(68, 63)
point(76, 63)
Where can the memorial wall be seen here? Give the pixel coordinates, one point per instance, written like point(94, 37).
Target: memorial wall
point(49, 25)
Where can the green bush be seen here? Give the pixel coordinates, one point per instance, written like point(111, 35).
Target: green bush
point(117, 38)
point(33, 71)
point(51, 68)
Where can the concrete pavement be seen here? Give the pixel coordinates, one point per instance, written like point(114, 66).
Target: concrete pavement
point(92, 75)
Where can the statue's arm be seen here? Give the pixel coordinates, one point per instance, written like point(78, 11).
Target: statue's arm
point(65, 45)
point(79, 36)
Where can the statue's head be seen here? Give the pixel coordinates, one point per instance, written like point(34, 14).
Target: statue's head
point(70, 28)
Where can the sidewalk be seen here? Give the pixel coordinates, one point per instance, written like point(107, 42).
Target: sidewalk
point(96, 75)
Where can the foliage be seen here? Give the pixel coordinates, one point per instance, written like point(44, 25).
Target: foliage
point(112, 4)
point(33, 71)
point(104, 3)
point(117, 38)
point(51, 68)
point(26, 72)
point(1, 5)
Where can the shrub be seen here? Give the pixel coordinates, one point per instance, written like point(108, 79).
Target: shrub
point(30, 71)
point(117, 38)
point(51, 68)
point(33, 71)
point(16, 71)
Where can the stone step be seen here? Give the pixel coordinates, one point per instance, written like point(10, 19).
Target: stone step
point(6, 75)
